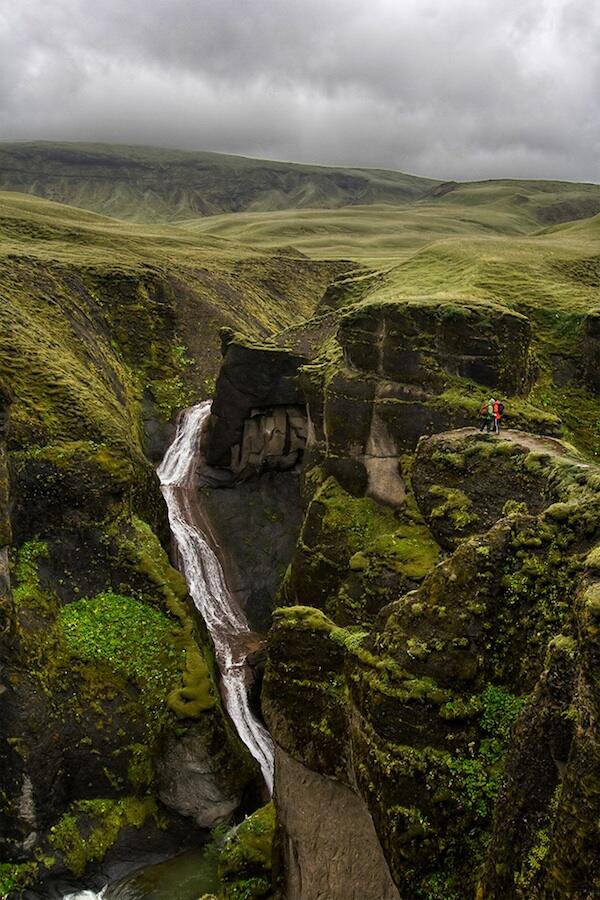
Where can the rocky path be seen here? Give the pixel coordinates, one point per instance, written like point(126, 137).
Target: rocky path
point(536, 443)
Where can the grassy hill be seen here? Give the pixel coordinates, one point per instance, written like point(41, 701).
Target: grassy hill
point(324, 211)
point(100, 319)
point(383, 234)
point(147, 184)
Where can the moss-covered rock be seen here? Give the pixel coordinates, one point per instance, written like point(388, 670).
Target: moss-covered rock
point(591, 350)
point(353, 555)
point(421, 341)
point(457, 715)
point(246, 859)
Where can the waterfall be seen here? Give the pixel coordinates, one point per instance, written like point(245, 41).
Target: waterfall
point(206, 582)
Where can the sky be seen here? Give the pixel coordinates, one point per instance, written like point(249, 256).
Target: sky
point(452, 89)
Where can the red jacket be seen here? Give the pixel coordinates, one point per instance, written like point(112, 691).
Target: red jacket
point(497, 411)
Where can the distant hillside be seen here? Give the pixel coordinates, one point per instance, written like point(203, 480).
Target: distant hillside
point(146, 184)
point(385, 233)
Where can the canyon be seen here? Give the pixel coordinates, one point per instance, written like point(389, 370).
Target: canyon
point(266, 593)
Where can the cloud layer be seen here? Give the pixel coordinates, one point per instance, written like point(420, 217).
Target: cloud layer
point(452, 88)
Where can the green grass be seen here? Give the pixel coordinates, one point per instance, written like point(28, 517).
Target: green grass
point(383, 234)
point(98, 314)
point(126, 634)
point(152, 184)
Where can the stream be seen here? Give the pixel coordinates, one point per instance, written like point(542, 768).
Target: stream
point(187, 875)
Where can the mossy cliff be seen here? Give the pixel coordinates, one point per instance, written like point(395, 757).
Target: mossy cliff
point(464, 717)
point(432, 592)
point(111, 721)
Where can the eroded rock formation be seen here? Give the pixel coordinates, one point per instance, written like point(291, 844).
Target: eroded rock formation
point(258, 420)
point(417, 714)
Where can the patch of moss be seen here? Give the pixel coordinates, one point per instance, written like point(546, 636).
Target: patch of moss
point(91, 827)
point(127, 635)
point(27, 589)
point(139, 770)
point(245, 862)
point(16, 877)
point(196, 695)
point(453, 505)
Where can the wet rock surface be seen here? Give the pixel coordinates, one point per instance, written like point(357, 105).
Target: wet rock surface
point(256, 415)
point(255, 525)
point(329, 845)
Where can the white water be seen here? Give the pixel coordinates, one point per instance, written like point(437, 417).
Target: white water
point(85, 895)
point(207, 586)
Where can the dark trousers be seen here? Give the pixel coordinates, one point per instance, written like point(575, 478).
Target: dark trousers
point(487, 424)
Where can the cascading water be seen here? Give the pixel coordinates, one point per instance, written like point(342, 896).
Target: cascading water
point(202, 570)
point(206, 582)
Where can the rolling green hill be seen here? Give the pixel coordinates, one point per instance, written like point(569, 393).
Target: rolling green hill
point(382, 234)
point(324, 211)
point(99, 318)
point(147, 184)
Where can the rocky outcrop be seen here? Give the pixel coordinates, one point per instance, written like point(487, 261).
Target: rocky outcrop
point(272, 439)
point(257, 418)
point(591, 350)
point(329, 846)
point(463, 481)
point(399, 370)
point(422, 342)
point(255, 527)
point(469, 708)
point(189, 778)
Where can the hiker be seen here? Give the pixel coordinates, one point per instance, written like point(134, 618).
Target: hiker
point(498, 412)
point(487, 414)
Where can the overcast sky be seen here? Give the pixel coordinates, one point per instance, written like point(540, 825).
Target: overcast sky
point(447, 88)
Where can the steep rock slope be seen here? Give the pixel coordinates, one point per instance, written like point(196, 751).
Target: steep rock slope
point(437, 616)
point(414, 712)
point(111, 722)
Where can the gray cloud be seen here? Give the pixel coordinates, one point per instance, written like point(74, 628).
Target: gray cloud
point(452, 89)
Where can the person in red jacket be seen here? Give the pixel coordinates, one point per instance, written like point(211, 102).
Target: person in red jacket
point(498, 411)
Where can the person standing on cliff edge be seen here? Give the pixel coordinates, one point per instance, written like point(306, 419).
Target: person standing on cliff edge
point(498, 411)
point(487, 414)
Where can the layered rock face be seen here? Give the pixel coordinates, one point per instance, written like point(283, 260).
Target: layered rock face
point(483, 670)
point(421, 342)
point(258, 419)
point(387, 380)
point(433, 639)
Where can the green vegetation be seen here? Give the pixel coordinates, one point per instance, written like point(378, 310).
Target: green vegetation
point(454, 505)
point(348, 549)
point(245, 862)
point(174, 185)
point(127, 635)
point(103, 820)
point(383, 234)
point(16, 877)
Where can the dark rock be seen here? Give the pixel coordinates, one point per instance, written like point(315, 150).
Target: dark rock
point(330, 848)
point(252, 377)
point(462, 480)
point(421, 342)
point(591, 350)
point(255, 524)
